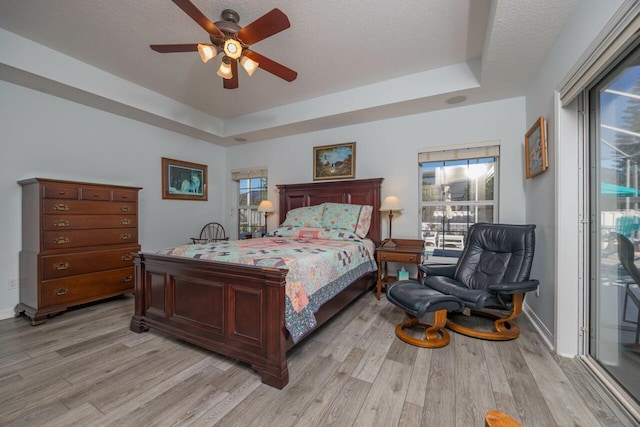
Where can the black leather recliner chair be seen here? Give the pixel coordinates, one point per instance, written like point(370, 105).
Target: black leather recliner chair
point(492, 273)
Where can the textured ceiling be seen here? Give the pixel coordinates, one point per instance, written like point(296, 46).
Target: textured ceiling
point(356, 60)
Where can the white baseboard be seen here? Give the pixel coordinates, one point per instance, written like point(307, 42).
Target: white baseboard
point(543, 331)
point(7, 313)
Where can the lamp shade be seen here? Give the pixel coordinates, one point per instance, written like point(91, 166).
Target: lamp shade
point(265, 206)
point(391, 203)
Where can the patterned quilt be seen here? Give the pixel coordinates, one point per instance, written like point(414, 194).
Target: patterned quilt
point(318, 269)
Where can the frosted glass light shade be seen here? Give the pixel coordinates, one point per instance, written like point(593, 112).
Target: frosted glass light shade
point(225, 70)
point(249, 65)
point(207, 52)
point(232, 48)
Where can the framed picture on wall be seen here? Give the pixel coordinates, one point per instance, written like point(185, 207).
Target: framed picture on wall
point(535, 148)
point(334, 161)
point(183, 180)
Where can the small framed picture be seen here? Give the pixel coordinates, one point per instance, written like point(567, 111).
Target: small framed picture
point(535, 148)
point(334, 161)
point(183, 180)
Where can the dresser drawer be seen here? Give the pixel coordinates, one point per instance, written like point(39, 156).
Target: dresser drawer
point(57, 266)
point(86, 287)
point(83, 222)
point(399, 257)
point(90, 193)
point(88, 207)
point(61, 191)
point(125, 196)
point(63, 239)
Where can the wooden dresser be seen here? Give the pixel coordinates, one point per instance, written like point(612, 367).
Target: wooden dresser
point(77, 241)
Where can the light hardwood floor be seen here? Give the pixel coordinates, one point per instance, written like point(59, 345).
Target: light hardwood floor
point(84, 367)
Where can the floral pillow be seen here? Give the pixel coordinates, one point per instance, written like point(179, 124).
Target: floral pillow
point(315, 233)
point(354, 218)
point(308, 216)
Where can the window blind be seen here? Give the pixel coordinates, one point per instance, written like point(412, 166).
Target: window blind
point(254, 172)
point(459, 154)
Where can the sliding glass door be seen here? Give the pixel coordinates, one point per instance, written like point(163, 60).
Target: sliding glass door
point(614, 121)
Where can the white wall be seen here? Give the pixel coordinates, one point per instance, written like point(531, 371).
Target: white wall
point(48, 137)
point(389, 148)
point(554, 194)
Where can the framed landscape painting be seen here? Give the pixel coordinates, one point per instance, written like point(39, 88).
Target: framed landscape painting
point(535, 148)
point(334, 161)
point(183, 180)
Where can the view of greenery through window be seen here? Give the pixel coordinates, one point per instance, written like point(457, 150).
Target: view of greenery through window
point(252, 192)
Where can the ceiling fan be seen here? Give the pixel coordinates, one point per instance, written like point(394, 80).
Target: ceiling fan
point(233, 41)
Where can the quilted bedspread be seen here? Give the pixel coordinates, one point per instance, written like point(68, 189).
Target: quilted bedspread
point(318, 269)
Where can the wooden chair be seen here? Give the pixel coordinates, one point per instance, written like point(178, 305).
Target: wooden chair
point(212, 232)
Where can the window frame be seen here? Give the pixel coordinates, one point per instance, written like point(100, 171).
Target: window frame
point(456, 156)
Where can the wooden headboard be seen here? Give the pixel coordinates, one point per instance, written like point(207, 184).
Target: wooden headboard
point(359, 192)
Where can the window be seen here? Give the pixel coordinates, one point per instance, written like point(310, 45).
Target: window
point(457, 188)
point(614, 122)
point(252, 189)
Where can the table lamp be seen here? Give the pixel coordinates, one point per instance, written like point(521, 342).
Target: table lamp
point(267, 207)
point(390, 204)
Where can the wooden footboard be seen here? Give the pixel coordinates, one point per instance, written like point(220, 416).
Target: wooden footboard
point(232, 309)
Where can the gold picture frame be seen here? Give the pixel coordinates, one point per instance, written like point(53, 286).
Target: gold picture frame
point(535, 148)
point(183, 180)
point(337, 161)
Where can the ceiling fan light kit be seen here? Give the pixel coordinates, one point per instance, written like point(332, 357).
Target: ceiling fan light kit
point(228, 37)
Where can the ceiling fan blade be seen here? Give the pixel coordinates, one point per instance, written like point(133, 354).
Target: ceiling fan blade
point(232, 83)
point(272, 66)
point(168, 48)
point(195, 14)
point(267, 25)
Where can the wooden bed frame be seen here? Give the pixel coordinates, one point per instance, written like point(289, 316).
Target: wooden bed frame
point(238, 310)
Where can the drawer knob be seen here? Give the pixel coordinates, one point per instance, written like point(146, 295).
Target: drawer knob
point(125, 236)
point(124, 208)
point(125, 221)
point(61, 266)
point(61, 207)
point(127, 278)
point(61, 240)
point(61, 223)
point(61, 291)
point(126, 257)
point(61, 193)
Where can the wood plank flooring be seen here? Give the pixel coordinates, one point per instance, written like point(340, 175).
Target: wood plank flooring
point(84, 367)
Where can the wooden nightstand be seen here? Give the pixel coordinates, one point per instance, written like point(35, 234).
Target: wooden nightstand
point(407, 251)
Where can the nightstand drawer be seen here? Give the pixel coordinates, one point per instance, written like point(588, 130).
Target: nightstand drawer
point(399, 257)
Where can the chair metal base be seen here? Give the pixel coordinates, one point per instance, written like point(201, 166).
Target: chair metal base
point(435, 335)
point(504, 328)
